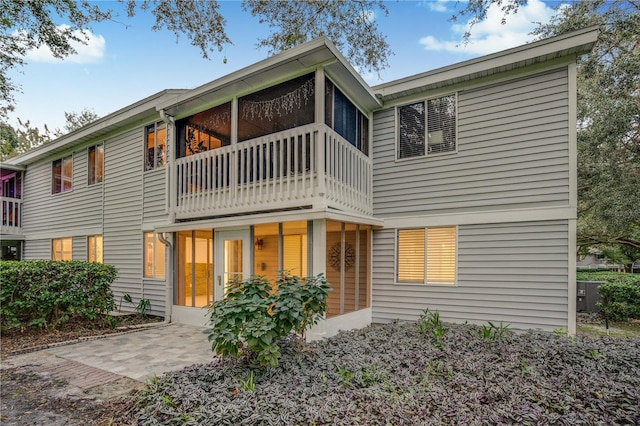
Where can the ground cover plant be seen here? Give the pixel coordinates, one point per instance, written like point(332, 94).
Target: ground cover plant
point(428, 372)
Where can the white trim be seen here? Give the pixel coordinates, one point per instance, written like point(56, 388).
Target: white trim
point(486, 217)
point(573, 136)
point(572, 284)
point(286, 216)
point(62, 233)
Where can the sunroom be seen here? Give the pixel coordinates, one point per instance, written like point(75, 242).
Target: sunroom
point(269, 170)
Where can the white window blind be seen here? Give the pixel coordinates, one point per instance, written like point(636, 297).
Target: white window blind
point(411, 122)
point(411, 255)
point(441, 255)
point(441, 124)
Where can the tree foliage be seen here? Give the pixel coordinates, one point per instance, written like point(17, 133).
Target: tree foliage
point(608, 120)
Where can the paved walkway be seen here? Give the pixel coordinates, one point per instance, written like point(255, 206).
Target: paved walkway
point(136, 355)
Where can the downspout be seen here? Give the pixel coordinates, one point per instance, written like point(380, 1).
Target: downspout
point(169, 279)
point(170, 165)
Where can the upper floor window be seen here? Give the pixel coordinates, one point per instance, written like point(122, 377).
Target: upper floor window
point(62, 175)
point(155, 137)
point(61, 249)
point(96, 164)
point(94, 248)
point(277, 108)
point(427, 255)
point(347, 120)
point(433, 122)
point(204, 131)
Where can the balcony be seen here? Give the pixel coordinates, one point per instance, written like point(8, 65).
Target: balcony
point(11, 214)
point(308, 166)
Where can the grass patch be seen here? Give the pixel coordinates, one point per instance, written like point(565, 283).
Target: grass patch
point(398, 374)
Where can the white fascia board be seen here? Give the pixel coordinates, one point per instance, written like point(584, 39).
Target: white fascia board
point(298, 53)
point(94, 129)
point(573, 43)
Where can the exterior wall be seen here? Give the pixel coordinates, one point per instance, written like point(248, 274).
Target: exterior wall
point(513, 145)
point(113, 209)
point(512, 272)
point(508, 188)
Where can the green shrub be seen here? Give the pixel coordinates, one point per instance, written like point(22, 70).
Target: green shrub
point(609, 277)
point(46, 294)
point(252, 316)
point(620, 301)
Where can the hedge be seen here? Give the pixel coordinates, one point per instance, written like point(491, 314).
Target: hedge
point(46, 294)
point(620, 293)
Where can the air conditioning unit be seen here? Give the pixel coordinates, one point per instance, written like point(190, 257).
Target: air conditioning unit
point(588, 296)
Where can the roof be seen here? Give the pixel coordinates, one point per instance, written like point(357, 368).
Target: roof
point(289, 63)
point(103, 126)
point(567, 45)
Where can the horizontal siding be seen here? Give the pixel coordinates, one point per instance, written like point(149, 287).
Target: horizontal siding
point(516, 273)
point(44, 212)
point(37, 249)
point(155, 191)
point(79, 248)
point(122, 237)
point(513, 152)
point(155, 292)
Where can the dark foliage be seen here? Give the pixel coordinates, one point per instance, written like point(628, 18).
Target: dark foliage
point(46, 293)
point(393, 374)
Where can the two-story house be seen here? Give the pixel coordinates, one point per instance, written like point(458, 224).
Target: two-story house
point(453, 190)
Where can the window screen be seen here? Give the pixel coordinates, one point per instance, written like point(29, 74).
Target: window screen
point(411, 122)
point(441, 130)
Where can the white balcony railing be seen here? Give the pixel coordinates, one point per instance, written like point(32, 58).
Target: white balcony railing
point(307, 166)
point(10, 215)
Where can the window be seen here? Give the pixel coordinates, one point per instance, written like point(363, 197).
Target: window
point(94, 248)
point(153, 256)
point(277, 108)
point(204, 131)
point(62, 175)
point(61, 249)
point(155, 138)
point(433, 121)
point(347, 120)
point(96, 164)
point(430, 250)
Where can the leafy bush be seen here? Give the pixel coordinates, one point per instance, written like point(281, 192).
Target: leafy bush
point(609, 277)
point(252, 316)
point(46, 294)
point(619, 301)
point(391, 375)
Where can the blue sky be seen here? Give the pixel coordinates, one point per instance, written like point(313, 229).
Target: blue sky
point(127, 62)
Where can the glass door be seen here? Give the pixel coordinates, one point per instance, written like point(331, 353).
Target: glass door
point(233, 257)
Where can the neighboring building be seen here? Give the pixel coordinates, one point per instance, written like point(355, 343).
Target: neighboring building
point(453, 190)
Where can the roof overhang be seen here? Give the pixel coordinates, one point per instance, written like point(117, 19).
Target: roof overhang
point(295, 61)
point(10, 167)
point(101, 127)
point(568, 45)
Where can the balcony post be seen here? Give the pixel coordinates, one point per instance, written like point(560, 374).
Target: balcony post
point(319, 137)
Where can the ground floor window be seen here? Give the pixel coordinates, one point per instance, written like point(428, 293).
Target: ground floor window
point(427, 255)
point(194, 268)
point(281, 247)
point(154, 252)
point(347, 268)
point(61, 249)
point(94, 248)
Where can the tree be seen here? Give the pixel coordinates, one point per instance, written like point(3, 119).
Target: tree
point(8, 141)
point(76, 120)
point(26, 25)
point(608, 120)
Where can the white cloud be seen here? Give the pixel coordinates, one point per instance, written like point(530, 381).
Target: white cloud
point(490, 35)
point(437, 5)
point(91, 52)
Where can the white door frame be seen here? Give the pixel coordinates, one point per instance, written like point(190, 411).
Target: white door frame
point(218, 269)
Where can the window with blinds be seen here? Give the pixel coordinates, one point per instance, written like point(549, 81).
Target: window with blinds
point(427, 255)
point(427, 127)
